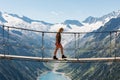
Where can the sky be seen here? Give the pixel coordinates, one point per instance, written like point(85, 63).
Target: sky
point(57, 11)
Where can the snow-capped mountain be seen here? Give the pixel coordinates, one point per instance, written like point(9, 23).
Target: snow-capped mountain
point(89, 24)
point(103, 19)
point(90, 20)
point(23, 22)
point(98, 45)
point(73, 22)
point(29, 20)
point(2, 20)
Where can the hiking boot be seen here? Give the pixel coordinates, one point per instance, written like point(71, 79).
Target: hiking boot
point(54, 57)
point(64, 56)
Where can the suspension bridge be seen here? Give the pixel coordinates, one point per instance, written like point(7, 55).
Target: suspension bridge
point(73, 60)
point(6, 46)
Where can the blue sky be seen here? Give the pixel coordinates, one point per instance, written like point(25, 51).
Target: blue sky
point(57, 11)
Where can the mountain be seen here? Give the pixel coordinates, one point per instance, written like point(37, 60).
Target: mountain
point(24, 43)
point(26, 19)
point(19, 44)
point(90, 20)
point(2, 20)
point(102, 19)
point(95, 44)
point(112, 25)
point(23, 22)
point(73, 22)
point(68, 25)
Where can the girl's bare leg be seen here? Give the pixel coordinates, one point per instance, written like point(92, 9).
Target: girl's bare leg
point(55, 52)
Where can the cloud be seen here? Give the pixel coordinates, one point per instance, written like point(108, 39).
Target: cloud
point(54, 13)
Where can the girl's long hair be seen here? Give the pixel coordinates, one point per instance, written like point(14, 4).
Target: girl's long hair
point(60, 29)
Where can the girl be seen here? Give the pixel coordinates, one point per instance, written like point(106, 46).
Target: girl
point(58, 44)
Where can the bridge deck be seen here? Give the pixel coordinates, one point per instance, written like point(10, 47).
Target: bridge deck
point(107, 59)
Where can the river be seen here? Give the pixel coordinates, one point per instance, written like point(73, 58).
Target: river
point(53, 75)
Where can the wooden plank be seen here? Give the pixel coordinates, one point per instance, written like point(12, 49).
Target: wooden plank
point(108, 59)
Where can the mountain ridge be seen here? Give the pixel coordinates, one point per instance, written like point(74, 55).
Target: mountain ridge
point(88, 23)
point(103, 18)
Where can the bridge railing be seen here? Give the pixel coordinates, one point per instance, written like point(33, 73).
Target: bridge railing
point(28, 42)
